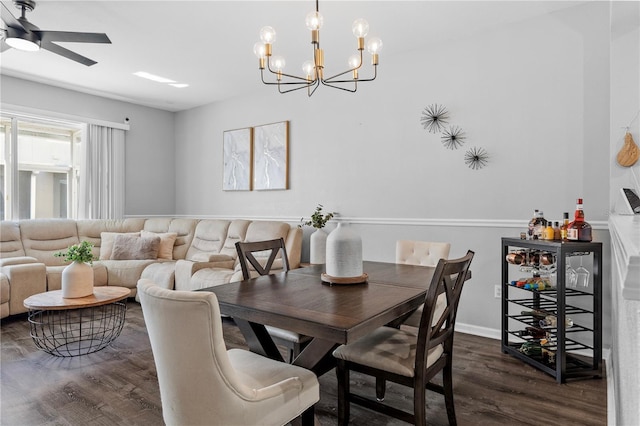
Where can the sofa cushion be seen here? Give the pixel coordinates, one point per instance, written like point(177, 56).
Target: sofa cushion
point(126, 273)
point(106, 243)
point(167, 240)
point(133, 247)
point(208, 238)
point(185, 228)
point(10, 243)
point(42, 238)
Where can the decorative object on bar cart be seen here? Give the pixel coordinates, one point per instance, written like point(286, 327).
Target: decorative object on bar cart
point(318, 240)
point(77, 278)
point(344, 257)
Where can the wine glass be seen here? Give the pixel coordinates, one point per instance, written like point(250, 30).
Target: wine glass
point(582, 276)
point(571, 278)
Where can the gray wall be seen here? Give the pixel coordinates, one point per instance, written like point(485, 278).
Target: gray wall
point(150, 169)
point(535, 95)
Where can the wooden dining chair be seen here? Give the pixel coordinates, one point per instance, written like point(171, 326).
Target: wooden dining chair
point(203, 383)
point(259, 258)
point(408, 357)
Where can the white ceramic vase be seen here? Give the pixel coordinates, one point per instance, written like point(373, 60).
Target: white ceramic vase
point(344, 252)
point(318, 247)
point(77, 280)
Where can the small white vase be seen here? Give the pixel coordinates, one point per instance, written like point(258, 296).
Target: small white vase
point(77, 280)
point(318, 247)
point(344, 252)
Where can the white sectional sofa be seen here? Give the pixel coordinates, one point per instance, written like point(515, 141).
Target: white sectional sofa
point(193, 253)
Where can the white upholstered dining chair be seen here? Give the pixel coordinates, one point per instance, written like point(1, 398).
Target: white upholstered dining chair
point(421, 253)
point(203, 383)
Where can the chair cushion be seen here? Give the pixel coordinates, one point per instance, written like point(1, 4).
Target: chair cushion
point(387, 349)
point(258, 372)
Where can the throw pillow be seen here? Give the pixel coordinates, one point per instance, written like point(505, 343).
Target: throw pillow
point(106, 242)
point(133, 247)
point(167, 240)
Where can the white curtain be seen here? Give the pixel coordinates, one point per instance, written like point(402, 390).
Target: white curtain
point(101, 189)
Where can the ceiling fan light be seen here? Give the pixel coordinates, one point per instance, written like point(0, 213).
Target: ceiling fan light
point(24, 45)
point(20, 40)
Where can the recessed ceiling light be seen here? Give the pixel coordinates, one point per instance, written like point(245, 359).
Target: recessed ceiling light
point(153, 77)
point(179, 85)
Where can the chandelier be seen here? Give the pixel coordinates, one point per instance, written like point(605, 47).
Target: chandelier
point(313, 70)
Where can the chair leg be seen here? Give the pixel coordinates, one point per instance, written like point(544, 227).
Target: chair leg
point(381, 388)
point(419, 404)
point(343, 393)
point(308, 416)
point(447, 385)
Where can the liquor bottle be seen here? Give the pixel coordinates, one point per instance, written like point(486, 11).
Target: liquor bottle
point(537, 225)
point(548, 231)
point(579, 229)
point(565, 226)
point(556, 231)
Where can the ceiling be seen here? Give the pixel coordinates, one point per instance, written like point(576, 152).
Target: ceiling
point(209, 44)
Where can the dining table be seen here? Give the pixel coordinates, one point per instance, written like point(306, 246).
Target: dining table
point(330, 314)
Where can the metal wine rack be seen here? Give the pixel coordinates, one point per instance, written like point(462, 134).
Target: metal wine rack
point(576, 349)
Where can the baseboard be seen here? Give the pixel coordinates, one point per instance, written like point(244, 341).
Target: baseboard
point(475, 330)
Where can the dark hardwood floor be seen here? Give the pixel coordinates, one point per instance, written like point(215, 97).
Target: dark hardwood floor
point(118, 386)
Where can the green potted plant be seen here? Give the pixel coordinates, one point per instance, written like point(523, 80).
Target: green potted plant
point(318, 240)
point(77, 278)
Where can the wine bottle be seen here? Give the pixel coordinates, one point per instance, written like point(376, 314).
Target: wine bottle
point(535, 332)
point(556, 231)
point(579, 229)
point(537, 314)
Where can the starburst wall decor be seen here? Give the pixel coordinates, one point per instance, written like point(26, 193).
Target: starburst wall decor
point(434, 118)
point(453, 137)
point(476, 158)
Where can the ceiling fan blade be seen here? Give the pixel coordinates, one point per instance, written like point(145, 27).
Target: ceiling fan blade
point(74, 37)
point(9, 19)
point(52, 47)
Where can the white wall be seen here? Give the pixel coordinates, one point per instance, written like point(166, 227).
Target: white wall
point(534, 94)
point(150, 178)
point(625, 107)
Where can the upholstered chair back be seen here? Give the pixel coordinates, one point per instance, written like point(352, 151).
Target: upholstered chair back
point(422, 253)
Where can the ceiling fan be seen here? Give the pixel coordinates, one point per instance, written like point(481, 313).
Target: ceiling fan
point(21, 34)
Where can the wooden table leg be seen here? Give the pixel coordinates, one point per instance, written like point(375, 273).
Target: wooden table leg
point(317, 356)
point(258, 339)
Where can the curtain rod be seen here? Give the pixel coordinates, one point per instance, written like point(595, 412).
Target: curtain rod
point(41, 113)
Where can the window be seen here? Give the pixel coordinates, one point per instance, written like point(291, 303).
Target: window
point(39, 167)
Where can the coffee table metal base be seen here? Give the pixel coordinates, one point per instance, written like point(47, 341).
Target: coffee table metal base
point(74, 332)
